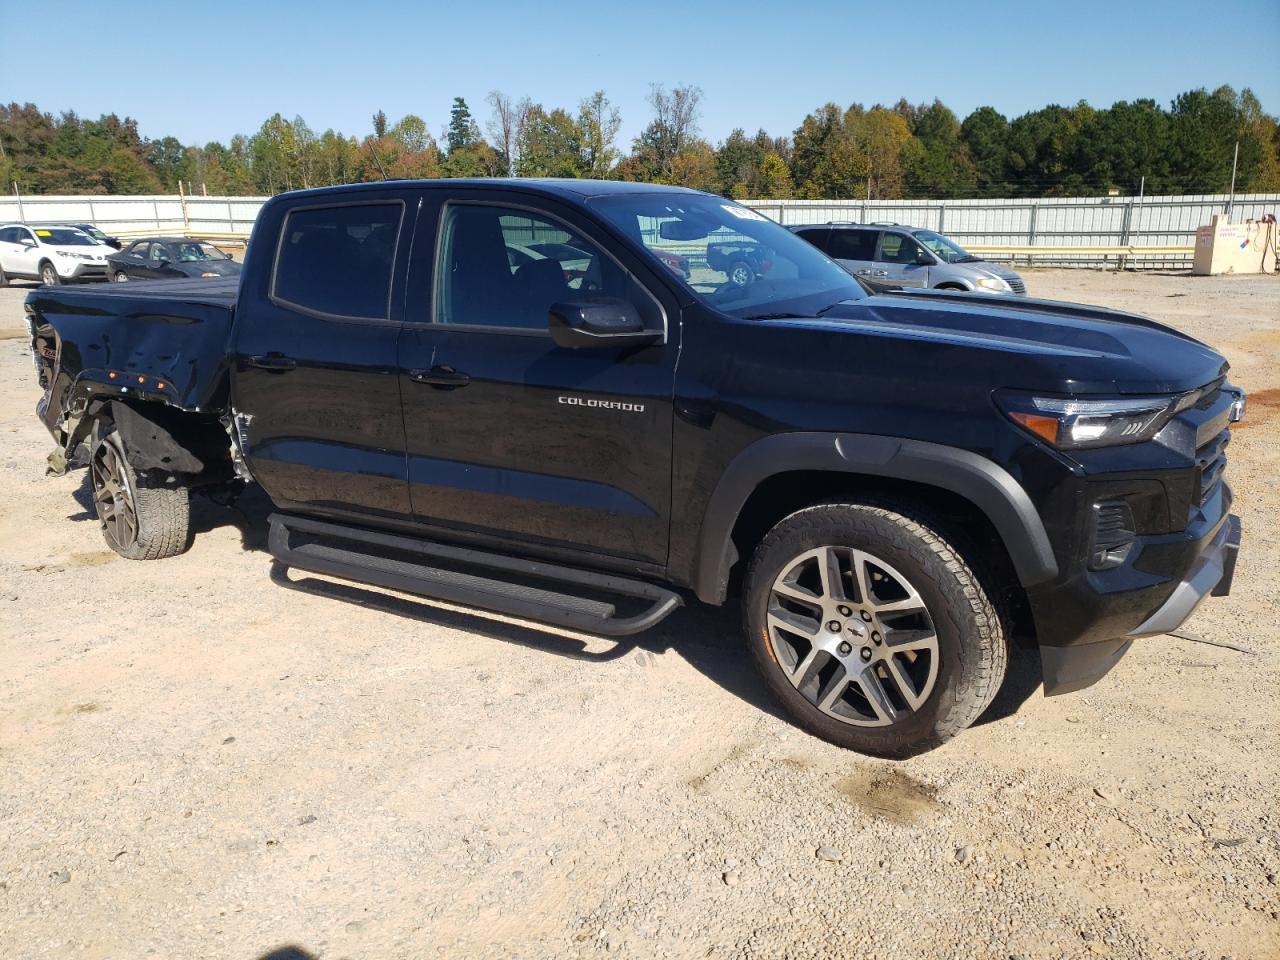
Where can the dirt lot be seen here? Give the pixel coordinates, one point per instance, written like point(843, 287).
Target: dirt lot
point(196, 762)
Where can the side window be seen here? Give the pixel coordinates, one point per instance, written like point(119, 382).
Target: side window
point(853, 244)
point(897, 248)
point(338, 260)
point(7, 235)
point(820, 237)
point(501, 267)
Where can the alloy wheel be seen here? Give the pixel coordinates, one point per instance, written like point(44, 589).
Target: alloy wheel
point(853, 636)
point(113, 495)
point(49, 276)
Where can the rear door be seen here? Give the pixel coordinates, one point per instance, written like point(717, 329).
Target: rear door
point(854, 249)
point(315, 391)
point(510, 436)
point(897, 260)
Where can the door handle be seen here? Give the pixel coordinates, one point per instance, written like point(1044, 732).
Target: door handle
point(440, 376)
point(274, 362)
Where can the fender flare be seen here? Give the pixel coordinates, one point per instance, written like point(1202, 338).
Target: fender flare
point(979, 480)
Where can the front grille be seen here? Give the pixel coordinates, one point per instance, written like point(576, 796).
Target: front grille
point(1016, 285)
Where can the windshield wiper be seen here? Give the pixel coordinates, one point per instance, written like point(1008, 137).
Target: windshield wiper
point(788, 315)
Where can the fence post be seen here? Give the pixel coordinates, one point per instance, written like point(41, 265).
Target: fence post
point(1031, 230)
point(155, 210)
point(942, 217)
point(231, 222)
point(1124, 233)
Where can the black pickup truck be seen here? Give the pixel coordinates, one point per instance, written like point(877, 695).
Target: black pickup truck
point(436, 400)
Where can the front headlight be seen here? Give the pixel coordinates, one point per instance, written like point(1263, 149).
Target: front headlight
point(993, 283)
point(73, 256)
point(208, 274)
point(1071, 423)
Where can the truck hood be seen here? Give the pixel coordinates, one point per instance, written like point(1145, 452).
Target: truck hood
point(1061, 347)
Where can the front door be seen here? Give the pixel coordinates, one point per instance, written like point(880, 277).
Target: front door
point(509, 435)
point(898, 261)
point(315, 391)
point(28, 253)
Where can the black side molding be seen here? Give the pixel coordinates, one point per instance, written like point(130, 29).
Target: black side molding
point(980, 481)
point(476, 578)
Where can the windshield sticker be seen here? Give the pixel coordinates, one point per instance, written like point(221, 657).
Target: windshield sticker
point(742, 213)
point(43, 233)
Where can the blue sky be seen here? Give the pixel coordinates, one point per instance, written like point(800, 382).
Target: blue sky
point(207, 71)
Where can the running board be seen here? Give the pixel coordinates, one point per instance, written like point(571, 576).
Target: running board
point(442, 581)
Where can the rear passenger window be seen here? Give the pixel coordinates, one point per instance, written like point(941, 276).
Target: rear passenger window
point(852, 244)
point(338, 260)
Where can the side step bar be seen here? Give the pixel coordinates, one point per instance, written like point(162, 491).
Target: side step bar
point(344, 559)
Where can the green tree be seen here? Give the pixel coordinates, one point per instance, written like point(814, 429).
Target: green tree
point(551, 145)
point(985, 133)
point(599, 121)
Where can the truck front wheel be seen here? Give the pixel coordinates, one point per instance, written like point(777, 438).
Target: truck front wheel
point(142, 518)
point(872, 629)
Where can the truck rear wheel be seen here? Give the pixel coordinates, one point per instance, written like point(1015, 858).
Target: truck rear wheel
point(872, 629)
point(141, 518)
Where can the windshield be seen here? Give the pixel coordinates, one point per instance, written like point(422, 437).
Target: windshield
point(944, 249)
point(63, 237)
point(730, 256)
point(188, 252)
point(94, 232)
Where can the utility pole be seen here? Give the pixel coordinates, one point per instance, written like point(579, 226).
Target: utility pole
point(22, 217)
point(1232, 202)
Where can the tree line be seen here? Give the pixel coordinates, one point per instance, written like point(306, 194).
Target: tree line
point(854, 152)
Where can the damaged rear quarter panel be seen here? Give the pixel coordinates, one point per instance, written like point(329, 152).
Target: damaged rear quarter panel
point(179, 347)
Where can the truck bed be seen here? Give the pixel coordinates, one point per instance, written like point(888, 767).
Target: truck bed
point(221, 291)
point(95, 338)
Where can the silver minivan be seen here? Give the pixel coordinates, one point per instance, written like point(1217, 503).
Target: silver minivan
point(894, 255)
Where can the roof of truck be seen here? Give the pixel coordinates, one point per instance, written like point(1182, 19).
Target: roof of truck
point(566, 188)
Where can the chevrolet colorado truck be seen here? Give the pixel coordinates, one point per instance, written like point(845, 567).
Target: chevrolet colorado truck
point(897, 485)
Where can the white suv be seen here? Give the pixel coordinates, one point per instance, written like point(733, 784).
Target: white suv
point(50, 254)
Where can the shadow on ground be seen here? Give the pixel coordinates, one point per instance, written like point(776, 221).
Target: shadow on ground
point(709, 638)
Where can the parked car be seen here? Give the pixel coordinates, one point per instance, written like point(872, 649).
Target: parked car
point(427, 419)
point(909, 257)
point(743, 262)
point(171, 258)
point(50, 253)
point(91, 230)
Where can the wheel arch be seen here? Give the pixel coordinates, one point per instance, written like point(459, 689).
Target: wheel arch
point(788, 471)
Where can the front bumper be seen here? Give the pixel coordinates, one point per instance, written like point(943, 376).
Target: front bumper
point(83, 270)
point(1070, 668)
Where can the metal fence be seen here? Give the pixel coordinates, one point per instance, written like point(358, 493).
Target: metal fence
point(1053, 222)
point(1153, 231)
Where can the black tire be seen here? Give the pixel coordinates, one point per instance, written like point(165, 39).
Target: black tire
point(4, 278)
point(740, 273)
point(119, 277)
point(967, 633)
point(142, 517)
point(49, 274)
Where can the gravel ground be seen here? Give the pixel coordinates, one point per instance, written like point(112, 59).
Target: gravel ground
point(196, 762)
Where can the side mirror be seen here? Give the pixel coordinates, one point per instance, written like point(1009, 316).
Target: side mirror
point(923, 257)
point(28, 242)
point(602, 322)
